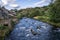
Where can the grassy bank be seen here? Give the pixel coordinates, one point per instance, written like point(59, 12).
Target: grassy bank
point(4, 30)
point(47, 20)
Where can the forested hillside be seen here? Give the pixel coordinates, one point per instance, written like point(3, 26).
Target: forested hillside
point(49, 14)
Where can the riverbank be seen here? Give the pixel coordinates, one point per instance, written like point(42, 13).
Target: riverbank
point(46, 20)
point(5, 30)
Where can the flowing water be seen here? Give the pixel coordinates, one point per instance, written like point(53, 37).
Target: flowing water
point(30, 29)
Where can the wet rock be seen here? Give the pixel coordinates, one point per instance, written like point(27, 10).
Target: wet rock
point(33, 32)
point(38, 27)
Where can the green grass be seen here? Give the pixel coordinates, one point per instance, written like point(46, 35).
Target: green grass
point(3, 31)
point(46, 19)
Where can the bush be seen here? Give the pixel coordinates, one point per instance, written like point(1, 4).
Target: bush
point(2, 27)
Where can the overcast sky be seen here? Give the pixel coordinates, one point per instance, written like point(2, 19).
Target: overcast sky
point(10, 4)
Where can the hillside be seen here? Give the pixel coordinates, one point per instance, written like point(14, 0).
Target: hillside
point(49, 14)
point(7, 20)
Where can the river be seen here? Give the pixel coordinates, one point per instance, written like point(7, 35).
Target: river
point(30, 29)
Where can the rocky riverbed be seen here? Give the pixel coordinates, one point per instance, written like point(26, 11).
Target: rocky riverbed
point(30, 29)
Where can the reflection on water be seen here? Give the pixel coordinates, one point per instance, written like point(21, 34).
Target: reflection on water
point(30, 29)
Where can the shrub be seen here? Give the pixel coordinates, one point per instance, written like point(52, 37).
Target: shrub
point(2, 27)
